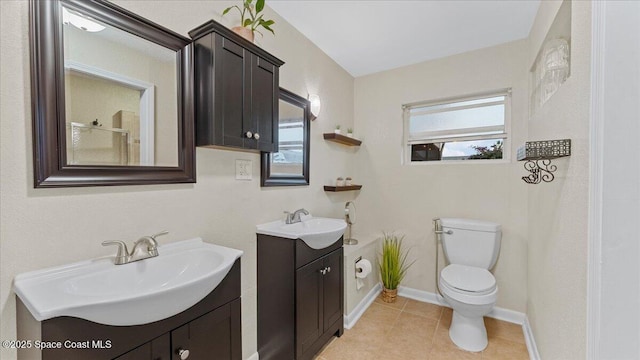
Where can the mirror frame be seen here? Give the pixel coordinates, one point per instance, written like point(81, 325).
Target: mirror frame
point(266, 177)
point(48, 103)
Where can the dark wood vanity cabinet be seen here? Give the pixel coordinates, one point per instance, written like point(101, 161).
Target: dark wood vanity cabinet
point(300, 297)
point(236, 91)
point(209, 330)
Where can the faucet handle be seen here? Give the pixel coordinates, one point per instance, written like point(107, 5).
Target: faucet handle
point(288, 216)
point(123, 252)
point(163, 232)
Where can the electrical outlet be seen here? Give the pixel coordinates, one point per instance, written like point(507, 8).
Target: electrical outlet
point(244, 169)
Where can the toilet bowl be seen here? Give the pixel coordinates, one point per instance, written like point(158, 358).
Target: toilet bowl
point(471, 247)
point(471, 298)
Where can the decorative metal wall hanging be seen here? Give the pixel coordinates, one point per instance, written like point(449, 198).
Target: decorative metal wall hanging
point(537, 156)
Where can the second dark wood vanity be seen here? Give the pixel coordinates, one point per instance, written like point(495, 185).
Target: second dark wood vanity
point(300, 297)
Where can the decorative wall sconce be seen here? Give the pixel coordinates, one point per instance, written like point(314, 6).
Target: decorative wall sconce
point(537, 156)
point(315, 106)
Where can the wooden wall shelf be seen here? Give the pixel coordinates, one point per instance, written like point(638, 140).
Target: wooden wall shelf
point(342, 188)
point(341, 139)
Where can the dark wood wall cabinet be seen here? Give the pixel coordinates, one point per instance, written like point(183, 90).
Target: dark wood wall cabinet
point(300, 297)
point(236, 91)
point(210, 329)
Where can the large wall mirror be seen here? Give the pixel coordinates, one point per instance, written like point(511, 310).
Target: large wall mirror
point(290, 165)
point(112, 97)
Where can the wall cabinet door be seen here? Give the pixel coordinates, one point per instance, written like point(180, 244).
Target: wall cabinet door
point(232, 90)
point(264, 104)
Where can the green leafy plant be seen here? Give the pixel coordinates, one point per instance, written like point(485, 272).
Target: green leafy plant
point(350, 130)
point(250, 16)
point(337, 127)
point(393, 263)
point(485, 152)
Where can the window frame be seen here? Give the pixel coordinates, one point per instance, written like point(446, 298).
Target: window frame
point(505, 136)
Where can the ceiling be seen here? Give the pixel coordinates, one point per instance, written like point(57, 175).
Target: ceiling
point(365, 37)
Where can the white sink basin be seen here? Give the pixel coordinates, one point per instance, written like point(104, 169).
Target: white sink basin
point(316, 232)
point(132, 294)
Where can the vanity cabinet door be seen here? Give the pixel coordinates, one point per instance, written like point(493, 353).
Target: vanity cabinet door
point(318, 300)
point(332, 289)
point(308, 305)
point(156, 349)
point(214, 336)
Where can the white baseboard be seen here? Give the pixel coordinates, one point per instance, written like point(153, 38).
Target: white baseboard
point(421, 295)
point(353, 317)
point(427, 296)
point(497, 313)
point(531, 342)
point(254, 356)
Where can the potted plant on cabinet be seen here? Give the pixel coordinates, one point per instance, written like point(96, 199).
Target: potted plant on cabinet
point(337, 130)
point(350, 132)
point(250, 19)
point(393, 266)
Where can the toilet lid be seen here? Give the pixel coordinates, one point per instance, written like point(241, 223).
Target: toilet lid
point(468, 278)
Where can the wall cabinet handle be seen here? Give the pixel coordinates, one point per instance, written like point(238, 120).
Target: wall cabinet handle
point(256, 136)
point(248, 134)
point(328, 268)
point(323, 271)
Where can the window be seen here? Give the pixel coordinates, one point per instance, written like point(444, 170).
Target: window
point(472, 128)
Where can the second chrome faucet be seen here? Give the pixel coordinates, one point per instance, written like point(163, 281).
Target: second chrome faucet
point(144, 248)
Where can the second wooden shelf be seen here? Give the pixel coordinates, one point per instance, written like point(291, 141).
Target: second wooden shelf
point(342, 188)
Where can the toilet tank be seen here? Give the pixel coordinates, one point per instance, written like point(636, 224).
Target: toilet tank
point(471, 242)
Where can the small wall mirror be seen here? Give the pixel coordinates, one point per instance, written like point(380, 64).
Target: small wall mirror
point(290, 165)
point(112, 97)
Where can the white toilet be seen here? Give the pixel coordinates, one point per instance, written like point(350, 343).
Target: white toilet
point(471, 248)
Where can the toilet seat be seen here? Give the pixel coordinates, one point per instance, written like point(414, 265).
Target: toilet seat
point(468, 284)
point(468, 279)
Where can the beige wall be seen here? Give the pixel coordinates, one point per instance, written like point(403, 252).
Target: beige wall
point(405, 198)
point(48, 227)
point(557, 251)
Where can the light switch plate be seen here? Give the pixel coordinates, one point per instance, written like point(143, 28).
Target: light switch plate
point(244, 169)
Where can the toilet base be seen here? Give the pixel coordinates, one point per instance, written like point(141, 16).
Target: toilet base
point(468, 333)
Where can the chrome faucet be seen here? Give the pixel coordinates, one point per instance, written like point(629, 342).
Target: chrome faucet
point(295, 217)
point(144, 248)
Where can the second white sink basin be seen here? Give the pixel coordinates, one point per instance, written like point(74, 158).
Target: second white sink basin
point(131, 294)
point(316, 232)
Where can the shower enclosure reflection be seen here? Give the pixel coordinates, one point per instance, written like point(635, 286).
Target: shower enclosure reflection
point(119, 93)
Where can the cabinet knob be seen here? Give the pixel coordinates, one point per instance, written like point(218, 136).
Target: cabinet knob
point(256, 136)
point(183, 353)
point(323, 271)
point(328, 268)
point(248, 134)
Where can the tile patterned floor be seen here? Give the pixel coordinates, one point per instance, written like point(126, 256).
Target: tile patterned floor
point(413, 330)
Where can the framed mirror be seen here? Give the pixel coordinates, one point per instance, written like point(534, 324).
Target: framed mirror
point(290, 165)
point(112, 97)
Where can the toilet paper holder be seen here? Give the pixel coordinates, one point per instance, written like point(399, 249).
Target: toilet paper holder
point(355, 264)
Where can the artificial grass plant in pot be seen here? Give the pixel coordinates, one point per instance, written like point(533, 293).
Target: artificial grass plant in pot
point(393, 266)
point(250, 19)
